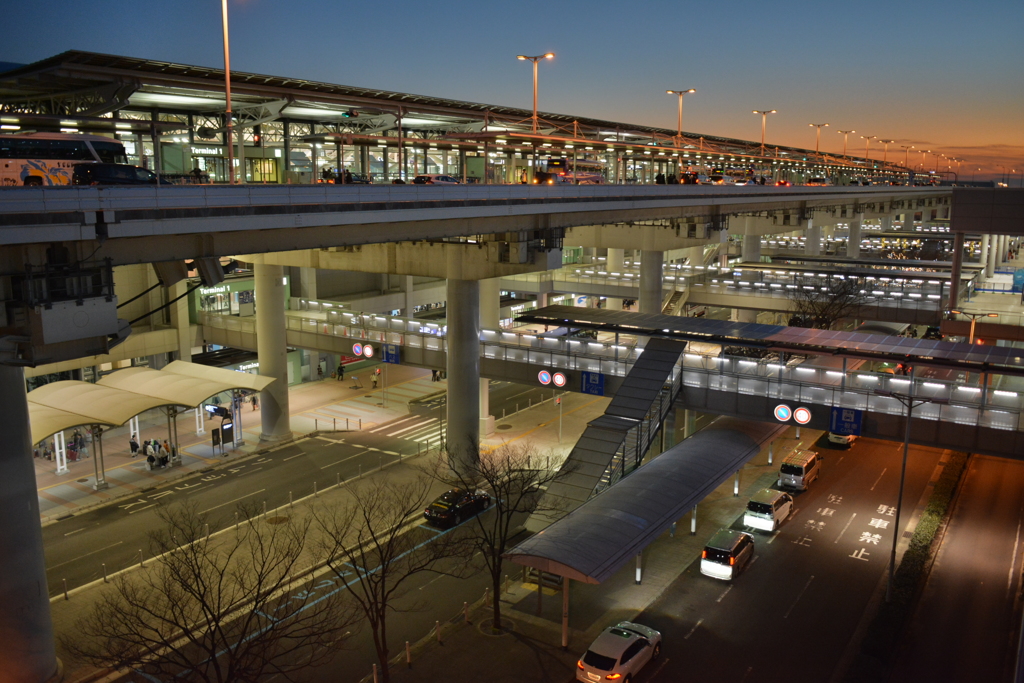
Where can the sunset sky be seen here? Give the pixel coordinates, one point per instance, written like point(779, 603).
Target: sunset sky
point(938, 75)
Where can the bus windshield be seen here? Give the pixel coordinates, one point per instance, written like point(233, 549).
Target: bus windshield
point(110, 152)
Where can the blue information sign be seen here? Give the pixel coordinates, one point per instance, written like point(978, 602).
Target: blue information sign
point(846, 421)
point(592, 383)
point(390, 353)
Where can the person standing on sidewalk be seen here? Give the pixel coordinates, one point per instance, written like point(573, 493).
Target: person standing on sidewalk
point(134, 446)
point(341, 372)
point(373, 377)
point(255, 401)
point(319, 373)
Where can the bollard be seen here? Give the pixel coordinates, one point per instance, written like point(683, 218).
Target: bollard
point(437, 627)
point(380, 462)
point(465, 611)
point(316, 425)
point(672, 531)
point(502, 413)
point(360, 470)
point(408, 656)
point(335, 423)
point(693, 522)
point(346, 424)
point(374, 673)
point(104, 565)
point(236, 519)
point(207, 531)
point(337, 479)
point(142, 560)
point(487, 591)
point(65, 589)
point(506, 583)
point(360, 423)
point(289, 500)
point(314, 489)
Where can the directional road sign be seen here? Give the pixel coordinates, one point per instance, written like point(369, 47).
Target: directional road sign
point(592, 383)
point(390, 354)
point(846, 421)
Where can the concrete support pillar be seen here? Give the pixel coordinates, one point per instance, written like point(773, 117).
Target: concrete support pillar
point(954, 277)
point(744, 315)
point(908, 221)
point(695, 256)
point(26, 631)
point(407, 288)
point(926, 217)
point(993, 250)
point(853, 238)
point(1001, 255)
point(886, 223)
point(812, 245)
point(463, 338)
point(613, 264)
point(651, 265)
point(751, 249)
point(179, 320)
point(307, 283)
point(983, 257)
point(723, 251)
point(542, 299)
point(273, 351)
point(490, 319)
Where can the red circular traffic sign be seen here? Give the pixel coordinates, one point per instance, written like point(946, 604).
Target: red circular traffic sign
point(368, 351)
point(802, 415)
point(559, 379)
point(783, 412)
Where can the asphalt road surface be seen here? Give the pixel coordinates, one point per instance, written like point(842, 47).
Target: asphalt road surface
point(967, 622)
point(790, 615)
point(77, 548)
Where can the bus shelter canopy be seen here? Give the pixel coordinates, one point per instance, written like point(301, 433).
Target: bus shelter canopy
point(122, 395)
point(595, 540)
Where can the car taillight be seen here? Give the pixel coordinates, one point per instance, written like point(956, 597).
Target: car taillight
point(579, 664)
point(704, 554)
point(613, 677)
point(732, 561)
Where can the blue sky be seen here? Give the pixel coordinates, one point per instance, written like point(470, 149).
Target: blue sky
point(939, 75)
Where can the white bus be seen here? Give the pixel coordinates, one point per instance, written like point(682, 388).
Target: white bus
point(38, 159)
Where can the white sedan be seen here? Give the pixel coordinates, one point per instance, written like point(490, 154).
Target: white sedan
point(619, 653)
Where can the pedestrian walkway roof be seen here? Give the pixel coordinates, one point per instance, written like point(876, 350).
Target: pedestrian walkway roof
point(593, 541)
point(122, 395)
point(1003, 360)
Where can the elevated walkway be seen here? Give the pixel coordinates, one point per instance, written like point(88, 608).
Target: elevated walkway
point(614, 444)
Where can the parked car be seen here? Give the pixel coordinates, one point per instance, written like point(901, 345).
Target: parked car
point(767, 509)
point(933, 332)
point(114, 174)
point(434, 179)
point(727, 554)
point(454, 506)
point(783, 183)
point(818, 182)
point(841, 439)
point(619, 653)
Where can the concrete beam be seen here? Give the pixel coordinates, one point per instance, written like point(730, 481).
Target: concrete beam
point(444, 260)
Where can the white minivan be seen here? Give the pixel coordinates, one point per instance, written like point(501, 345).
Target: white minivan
point(799, 469)
point(727, 554)
point(768, 509)
point(842, 439)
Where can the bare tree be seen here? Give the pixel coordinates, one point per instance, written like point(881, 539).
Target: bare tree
point(822, 305)
point(220, 609)
point(514, 475)
point(374, 547)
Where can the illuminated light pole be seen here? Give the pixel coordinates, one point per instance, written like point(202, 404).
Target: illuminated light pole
point(910, 402)
point(846, 137)
point(885, 153)
point(679, 118)
point(764, 117)
point(817, 136)
point(974, 319)
point(924, 158)
point(547, 55)
point(227, 93)
point(906, 154)
point(867, 143)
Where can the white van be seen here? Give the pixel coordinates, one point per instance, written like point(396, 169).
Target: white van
point(726, 554)
point(768, 509)
point(842, 439)
point(799, 469)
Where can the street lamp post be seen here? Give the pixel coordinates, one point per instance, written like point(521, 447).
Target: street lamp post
point(910, 402)
point(227, 93)
point(817, 136)
point(547, 55)
point(885, 153)
point(764, 117)
point(846, 137)
point(906, 155)
point(867, 143)
point(924, 159)
point(974, 319)
point(679, 118)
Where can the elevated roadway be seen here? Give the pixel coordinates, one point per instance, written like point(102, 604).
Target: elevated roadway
point(139, 225)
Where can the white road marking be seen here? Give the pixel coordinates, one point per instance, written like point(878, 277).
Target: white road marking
point(845, 528)
point(203, 512)
point(806, 586)
point(724, 593)
point(142, 508)
point(393, 424)
point(292, 457)
point(687, 636)
point(76, 531)
point(345, 459)
point(878, 480)
point(1013, 562)
point(86, 555)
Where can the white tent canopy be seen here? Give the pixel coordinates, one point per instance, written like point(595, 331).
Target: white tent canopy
point(122, 395)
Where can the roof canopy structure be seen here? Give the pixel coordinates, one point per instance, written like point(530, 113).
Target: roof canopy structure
point(120, 396)
point(969, 357)
point(593, 541)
